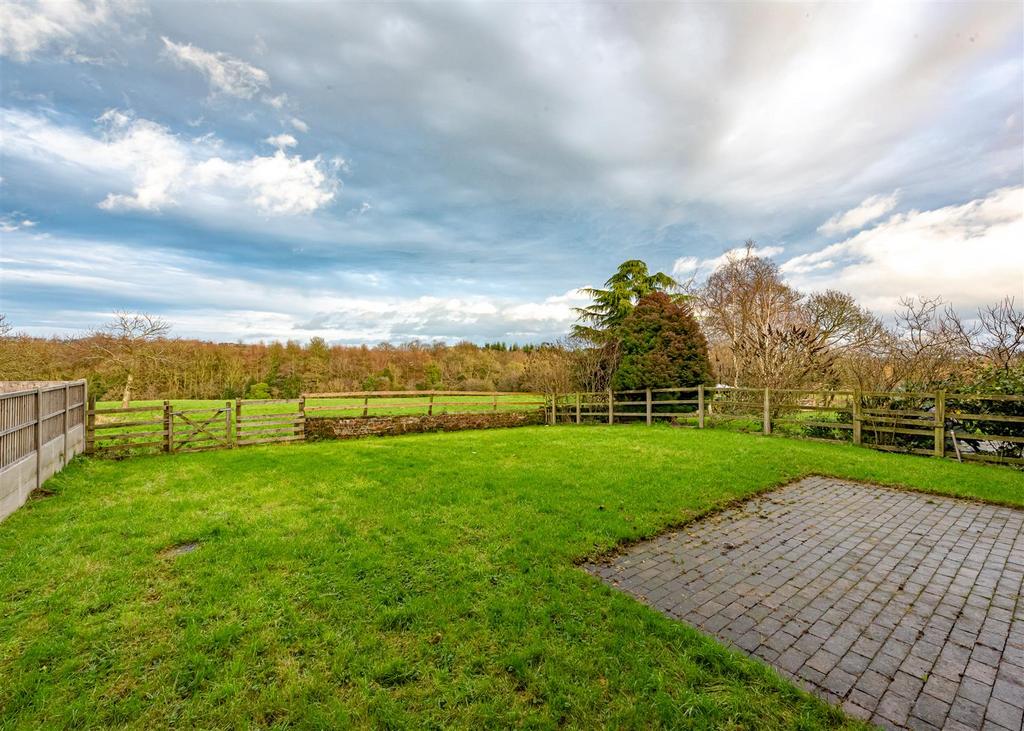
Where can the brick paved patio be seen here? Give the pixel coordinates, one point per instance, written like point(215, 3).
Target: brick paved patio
point(904, 608)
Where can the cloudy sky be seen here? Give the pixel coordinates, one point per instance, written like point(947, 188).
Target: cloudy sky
point(388, 171)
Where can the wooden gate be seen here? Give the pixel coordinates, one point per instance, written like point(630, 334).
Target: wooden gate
point(270, 420)
point(193, 430)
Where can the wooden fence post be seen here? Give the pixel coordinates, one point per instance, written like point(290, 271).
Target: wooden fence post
point(857, 437)
point(554, 409)
point(430, 405)
point(611, 407)
point(940, 423)
point(649, 407)
point(366, 405)
point(168, 428)
point(495, 403)
point(302, 415)
point(700, 405)
point(577, 407)
point(90, 425)
point(39, 437)
point(767, 418)
point(238, 421)
point(227, 424)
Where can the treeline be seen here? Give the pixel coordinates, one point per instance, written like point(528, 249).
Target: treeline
point(744, 326)
point(150, 366)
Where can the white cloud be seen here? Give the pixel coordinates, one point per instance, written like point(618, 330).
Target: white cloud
point(970, 254)
point(870, 209)
point(282, 141)
point(691, 265)
point(29, 27)
point(554, 309)
point(299, 124)
point(685, 265)
point(157, 158)
point(277, 102)
point(225, 74)
point(231, 303)
point(160, 170)
point(278, 184)
point(14, 222)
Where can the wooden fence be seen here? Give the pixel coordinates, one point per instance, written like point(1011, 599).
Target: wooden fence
point(981, 427)
point(116, 431)
point(41, 429)
point(365, 403)
point(125, 431)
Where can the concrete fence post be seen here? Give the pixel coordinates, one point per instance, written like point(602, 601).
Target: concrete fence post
point(39, 437)
point(67, 401)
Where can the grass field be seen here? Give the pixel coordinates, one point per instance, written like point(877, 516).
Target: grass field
point(421, 581)
point(345, 406)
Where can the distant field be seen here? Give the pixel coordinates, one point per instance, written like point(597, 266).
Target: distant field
point(345, 406)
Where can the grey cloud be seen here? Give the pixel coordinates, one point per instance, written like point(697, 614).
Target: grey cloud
point(762, 115)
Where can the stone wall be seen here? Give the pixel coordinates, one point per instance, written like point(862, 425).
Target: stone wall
point(350, 428)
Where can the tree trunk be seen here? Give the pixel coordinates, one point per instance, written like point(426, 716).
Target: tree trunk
point(126, 399)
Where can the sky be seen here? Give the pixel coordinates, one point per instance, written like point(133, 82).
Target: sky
point(370, 172)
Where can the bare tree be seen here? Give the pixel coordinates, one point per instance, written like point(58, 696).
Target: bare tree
point(549, 370)
point(591, 365)
point(125, 343)
point(746, 305)
point(995, 338)
point(922, 352)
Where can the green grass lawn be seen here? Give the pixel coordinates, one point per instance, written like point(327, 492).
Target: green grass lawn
point(421, 581)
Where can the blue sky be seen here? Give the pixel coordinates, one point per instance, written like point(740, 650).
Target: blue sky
point(370, 172)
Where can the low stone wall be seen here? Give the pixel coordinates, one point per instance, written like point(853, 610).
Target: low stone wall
point(352, 427)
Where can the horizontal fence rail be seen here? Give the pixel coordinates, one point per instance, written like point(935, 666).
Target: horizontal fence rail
point(980, 427)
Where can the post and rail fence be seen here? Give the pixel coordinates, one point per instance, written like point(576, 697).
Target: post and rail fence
point(964, 426)
point(116, 431)
point(44, 424)
point(981, 427)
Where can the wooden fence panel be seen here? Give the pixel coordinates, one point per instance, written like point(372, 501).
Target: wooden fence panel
point(262, 426)
point(40, 431)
